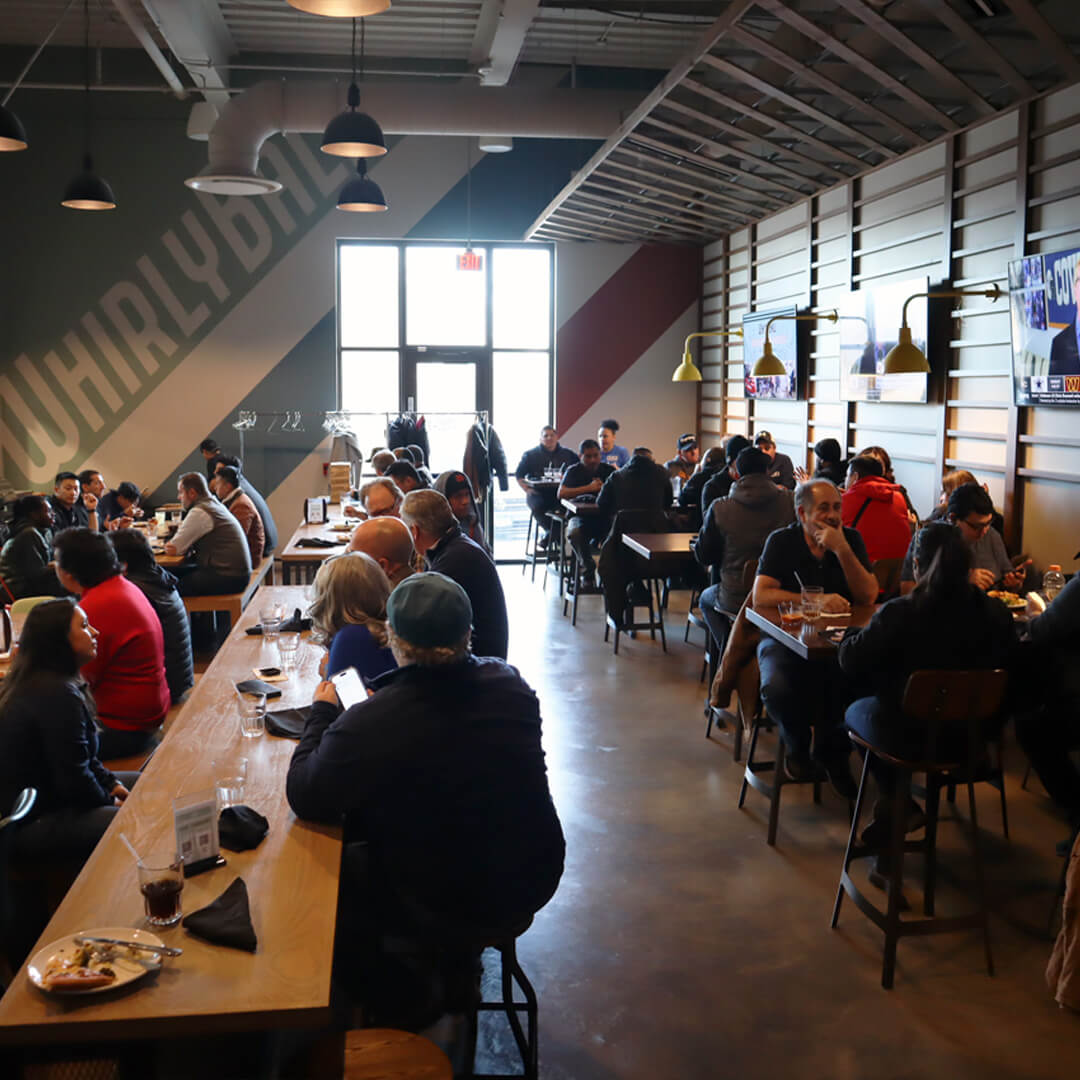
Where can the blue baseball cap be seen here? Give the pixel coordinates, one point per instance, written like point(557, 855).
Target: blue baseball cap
point(429, 610)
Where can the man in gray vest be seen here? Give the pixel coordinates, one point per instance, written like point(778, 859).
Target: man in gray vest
point(222, 563)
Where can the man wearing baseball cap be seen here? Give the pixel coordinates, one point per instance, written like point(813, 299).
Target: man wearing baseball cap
point(457, 488)
point(441, 772)
point(781, 471)
point(685, 461)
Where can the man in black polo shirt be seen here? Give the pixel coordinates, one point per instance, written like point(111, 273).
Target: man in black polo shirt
point(801, 695)
point(582, 483)
point(534, 463)
point(782, 471)
point(71, 512)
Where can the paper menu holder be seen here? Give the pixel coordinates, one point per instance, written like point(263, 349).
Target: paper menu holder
point(195, 821)
point(315, 511)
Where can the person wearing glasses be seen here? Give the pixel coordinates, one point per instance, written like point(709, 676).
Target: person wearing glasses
point(380, 497)
point(971, 510)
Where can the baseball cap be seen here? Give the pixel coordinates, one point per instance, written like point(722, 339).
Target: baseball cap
point(752, 460)
point(429, 610)
point(736, 445)
point(764, 437)
point(456, 482)
point(687, 441)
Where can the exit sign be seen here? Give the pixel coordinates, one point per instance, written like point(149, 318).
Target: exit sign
point(471, 260)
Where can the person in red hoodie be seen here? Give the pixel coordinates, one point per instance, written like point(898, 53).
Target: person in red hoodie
point(127, 677)
point(877, 509)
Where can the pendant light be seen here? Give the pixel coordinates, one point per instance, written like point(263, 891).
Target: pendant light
point(687, 371)
point(12, 133)
point(88, 191)
point(341, 9)
point(351, 133)
point(768, 364)
point(361, 192)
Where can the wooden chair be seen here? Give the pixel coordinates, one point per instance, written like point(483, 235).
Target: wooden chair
point(887, 572)
point(942, 701)
point(385, 1054)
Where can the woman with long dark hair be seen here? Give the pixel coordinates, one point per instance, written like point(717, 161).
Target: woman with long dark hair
point(48, 738)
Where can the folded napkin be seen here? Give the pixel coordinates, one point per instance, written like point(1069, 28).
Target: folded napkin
point(226, 921)
point(295, 624)
point(240, 828)
point(319, 542)
point(288, 723)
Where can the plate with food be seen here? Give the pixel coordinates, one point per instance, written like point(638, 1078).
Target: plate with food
point(342, 527)
point(67, 967)
point(1010, 599)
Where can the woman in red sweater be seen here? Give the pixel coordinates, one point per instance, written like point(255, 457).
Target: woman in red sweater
point(127, 676)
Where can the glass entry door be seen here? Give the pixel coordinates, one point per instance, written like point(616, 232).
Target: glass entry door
point(447, 381)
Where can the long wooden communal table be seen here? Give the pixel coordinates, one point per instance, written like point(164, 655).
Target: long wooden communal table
point(299, 560)
point(292, 881)
point(806, 640)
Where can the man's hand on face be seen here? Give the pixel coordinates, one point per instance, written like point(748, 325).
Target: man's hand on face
point(834, 604)
point(830, 537)
point(983, 579)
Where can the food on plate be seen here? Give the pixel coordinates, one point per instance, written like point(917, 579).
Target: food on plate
point(79, 979)
point(1009, 599)
point(86, 967)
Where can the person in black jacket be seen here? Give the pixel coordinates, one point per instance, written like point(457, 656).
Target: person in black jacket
point(48, 739)
point(270, 536)
point(159, 587)
point(582, 483)
point(719, 484)
point(437, 535)
point(25, 559)
point(714, 460)
point(549, 456)
point(781, 471)
point(946, 623)
point(828, 464)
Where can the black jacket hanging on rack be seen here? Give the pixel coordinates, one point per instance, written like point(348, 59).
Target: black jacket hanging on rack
point(484, 457)
point(406, 430)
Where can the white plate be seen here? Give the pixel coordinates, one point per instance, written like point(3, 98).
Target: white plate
point(128, 968)
point(341, 527)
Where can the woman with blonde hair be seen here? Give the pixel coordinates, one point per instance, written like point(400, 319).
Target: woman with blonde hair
point(348, 615)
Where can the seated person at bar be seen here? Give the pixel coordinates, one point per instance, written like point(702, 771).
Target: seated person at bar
point(70, 511)
point(380, 497)
point(48, 740)
point(26, 567)
point(222, 562)
point(226, 486)
point(809, 698)
point(388, 541)
point(436, 534)
point(119, 508)
point(381, 460)
point(877, 509)
point(714, 460)
point(127, 676)
point(458, 490)
point(828, 464)
point(549, 456)
point(419, 460)
point(441, 773)
point(682, 465)
point(945, 623)
point(781, 472)
point(971, 511)
point(210, 451)
point(584, 481)
point(719, 484)
point(159, 587)
point(348, 615)
point(949, 483)
point(270, 536)
point(92, 489)
point(1050, 731)
point(610, 453)
point(734, 532)
point(404, 474)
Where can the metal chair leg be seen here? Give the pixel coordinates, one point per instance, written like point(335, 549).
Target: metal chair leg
point(852, 835)
point(896, 881)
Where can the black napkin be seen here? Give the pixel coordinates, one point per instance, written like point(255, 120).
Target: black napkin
point(240, 828)
point(319, 542)
point(296, 624)
point(257, 686)
point(288, 723)
point(226, 921)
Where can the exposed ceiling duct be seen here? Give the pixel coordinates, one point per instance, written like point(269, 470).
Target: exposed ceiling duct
point(249, 119)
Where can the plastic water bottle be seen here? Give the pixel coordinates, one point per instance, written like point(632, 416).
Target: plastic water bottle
point(1053, 581)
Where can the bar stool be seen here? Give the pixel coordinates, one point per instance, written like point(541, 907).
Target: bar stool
point(957, 700)
point(576, 586)
point(380, 1053)
point(533, 550)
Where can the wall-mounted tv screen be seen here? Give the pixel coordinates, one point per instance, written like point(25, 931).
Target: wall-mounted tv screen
point(784, 339)
point(1044, 299)
point(870, 320)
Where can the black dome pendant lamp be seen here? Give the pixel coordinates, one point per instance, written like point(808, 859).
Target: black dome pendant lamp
point(351, 133)
point(88, 191)
point(361, 193)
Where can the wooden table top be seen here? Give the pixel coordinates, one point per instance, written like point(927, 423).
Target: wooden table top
point(584, 508)
point(292, 881)
point(660, 545)
point(293, 554)
point(803, 639)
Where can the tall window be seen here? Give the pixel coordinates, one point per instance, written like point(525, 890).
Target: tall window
point(417, 329)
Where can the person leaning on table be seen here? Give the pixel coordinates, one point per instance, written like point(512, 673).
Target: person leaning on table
point(48, 739)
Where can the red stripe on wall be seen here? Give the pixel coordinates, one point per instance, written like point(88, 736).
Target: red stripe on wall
point(620, 322)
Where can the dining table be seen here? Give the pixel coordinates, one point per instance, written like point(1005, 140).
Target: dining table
point(816, 639)
point(298, 560)
point(291, 877)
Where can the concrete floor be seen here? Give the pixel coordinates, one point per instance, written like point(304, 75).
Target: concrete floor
point(680, 945)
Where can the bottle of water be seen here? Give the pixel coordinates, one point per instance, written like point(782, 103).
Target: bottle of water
point(1053, 581)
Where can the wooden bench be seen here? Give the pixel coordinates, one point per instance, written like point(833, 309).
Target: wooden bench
point(233, 603)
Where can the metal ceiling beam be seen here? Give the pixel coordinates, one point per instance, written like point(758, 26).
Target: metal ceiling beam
point(936, 70)
point(773, 122)
point(511, 26)
point(769, 90)
point(697, 193)
point(142, 36)
point(595, 222)
point(196, 33)
point(806, 74)
point(861, 63)
point(1030, 19)
point(670, 219)
point(688, 206)
point(608, 221)
point(745, 136)
point(708, 39)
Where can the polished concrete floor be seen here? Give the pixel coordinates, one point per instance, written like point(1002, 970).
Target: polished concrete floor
point(680, 945)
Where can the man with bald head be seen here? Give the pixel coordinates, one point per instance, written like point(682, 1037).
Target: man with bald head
point(389, 542)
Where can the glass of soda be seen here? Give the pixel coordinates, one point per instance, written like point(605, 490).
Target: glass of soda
point(161, 881)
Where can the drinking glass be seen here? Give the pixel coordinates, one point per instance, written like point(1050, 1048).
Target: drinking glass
point(813, 597)
point(288, 651)
point(271, 616)
point(229, 779)
point(251, 709)
point(790, 611)
point(161, 881)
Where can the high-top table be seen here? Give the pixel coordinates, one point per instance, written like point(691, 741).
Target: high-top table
point(292, 881)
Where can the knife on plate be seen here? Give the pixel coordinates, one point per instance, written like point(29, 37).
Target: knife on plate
point(162, 950)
